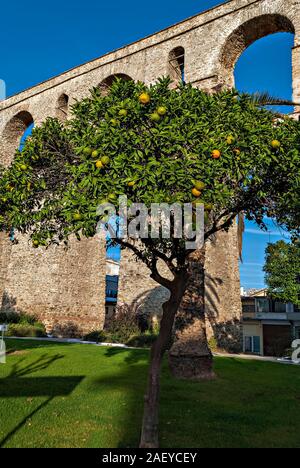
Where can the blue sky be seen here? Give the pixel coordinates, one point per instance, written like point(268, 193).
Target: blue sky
point(40, 40)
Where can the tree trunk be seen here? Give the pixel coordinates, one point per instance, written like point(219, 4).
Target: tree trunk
point(149, 435)
point(190, 357)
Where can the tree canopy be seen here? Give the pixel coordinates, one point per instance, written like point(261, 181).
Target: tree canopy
point(282, 270)
point(153, 144)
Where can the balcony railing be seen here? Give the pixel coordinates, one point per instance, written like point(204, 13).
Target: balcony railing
point(292, 317)
point(271, 316)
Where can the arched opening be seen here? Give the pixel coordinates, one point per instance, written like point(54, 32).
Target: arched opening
point(244, 36)
point(14, 135)
point(62, 106)
point(260, 59)
point(107, 82)
point(18, 129)
point(176, 64)
point(266, 66)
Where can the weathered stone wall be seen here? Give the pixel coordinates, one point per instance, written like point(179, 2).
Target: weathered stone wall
point(222, 301)
point(63, 288)
point(138, 290)
point(212, 41)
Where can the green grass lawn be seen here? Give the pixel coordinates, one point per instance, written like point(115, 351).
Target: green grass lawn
point(57, 395)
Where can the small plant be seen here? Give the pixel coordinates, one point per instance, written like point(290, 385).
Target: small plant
point(25, 330)
point(22, 325)
point(143, 340)
point(97, 336)
point(213, 344)
point(123, 325)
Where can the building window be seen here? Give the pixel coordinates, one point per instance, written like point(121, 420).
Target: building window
point(262, 305)
point(280, 307)
point(252, 344)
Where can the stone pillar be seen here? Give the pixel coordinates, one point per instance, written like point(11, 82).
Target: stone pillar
point(296, 78)
point(223, 305)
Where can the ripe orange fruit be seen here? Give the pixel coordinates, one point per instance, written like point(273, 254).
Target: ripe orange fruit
point(275, 144)
point(161, 110)
point(99, 164)
point(216, 154)
point(144, 98)
point(196, 192)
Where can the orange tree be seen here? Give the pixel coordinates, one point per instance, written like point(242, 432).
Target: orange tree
point(155, 144)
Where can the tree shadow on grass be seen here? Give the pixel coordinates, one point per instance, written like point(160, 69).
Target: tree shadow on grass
point(16, 385)
point(183, 403)
point(130, 381)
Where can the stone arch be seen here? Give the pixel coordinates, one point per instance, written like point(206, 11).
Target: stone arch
point(62, 106)
point(12, 135)
point(245, 35)
point(107, 82)
point(176, 64)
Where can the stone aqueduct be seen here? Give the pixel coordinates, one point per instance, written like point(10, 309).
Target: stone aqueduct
point(63, 288)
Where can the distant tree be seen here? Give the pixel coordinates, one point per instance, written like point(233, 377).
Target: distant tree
point(156, 144)
point(282, 270)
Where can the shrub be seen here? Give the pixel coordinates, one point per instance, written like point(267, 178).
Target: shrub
point(22, 325)
point(122, 326)
point(98, 336)
point(18, 317)
point(66, 330)
point(25, 330)
point(143, 340)
point(9, 317)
